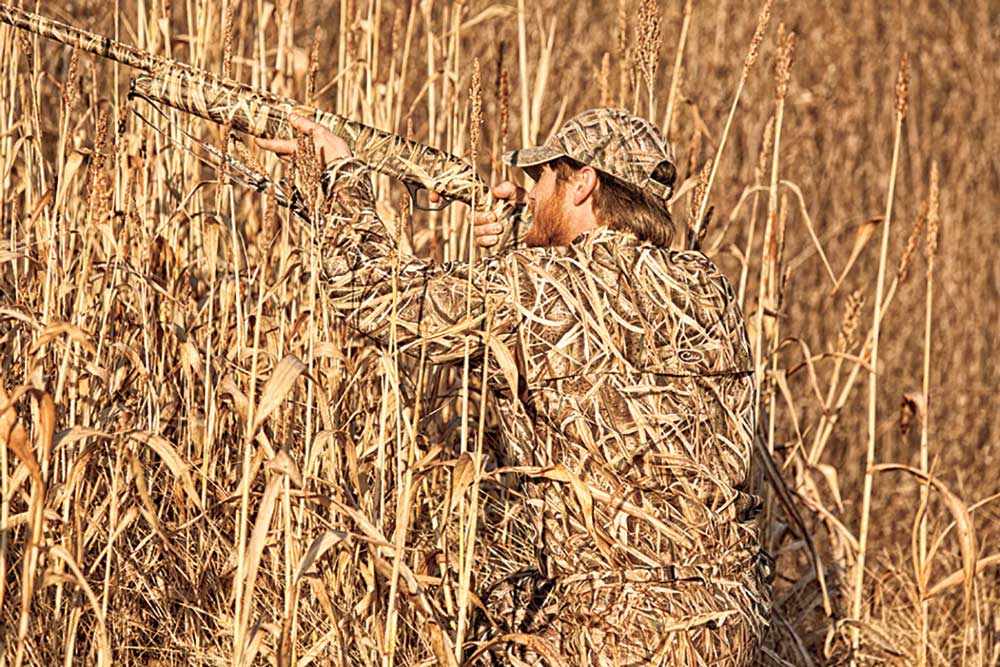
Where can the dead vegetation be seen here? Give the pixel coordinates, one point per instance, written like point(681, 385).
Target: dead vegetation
point(201, 465)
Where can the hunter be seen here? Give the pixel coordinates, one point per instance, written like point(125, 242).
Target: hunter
point(625, 386)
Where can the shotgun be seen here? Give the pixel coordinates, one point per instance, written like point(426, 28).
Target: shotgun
point(264, 114)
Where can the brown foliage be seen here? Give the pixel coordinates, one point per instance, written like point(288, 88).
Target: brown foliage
point(200, 464)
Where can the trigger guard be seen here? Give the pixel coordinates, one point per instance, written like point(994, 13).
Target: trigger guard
point(414, 189)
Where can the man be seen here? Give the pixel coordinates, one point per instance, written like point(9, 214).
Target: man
point(623, 376)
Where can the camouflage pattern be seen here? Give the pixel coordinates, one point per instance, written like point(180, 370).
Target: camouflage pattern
point(623, 377)
point(265, 114)
point(384, 152)
point(616, 142)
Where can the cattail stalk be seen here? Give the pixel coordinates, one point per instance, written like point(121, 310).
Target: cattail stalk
point(748, 63)
point(770, 269)
point(398, 83)
point(649, 39)
point(70, 96)
point(468, 541)
point(603, 76)
point(700, 192)
point(244, 591)
point(911, 245)
point(933, 222)
point(313, 71)
point(624, 52)
point(694, 149)
point(902, 92)
point(116, 68)
point(762, 158)
point(504, 110)
point(522, 61)
point(675, 79)
point(228, 39)
point(406, 483)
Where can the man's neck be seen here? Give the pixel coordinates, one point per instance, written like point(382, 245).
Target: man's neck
point(580, 225)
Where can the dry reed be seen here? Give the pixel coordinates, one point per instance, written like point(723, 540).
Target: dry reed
point(199, 463)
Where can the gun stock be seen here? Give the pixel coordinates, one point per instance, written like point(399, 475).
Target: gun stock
point(265, 114)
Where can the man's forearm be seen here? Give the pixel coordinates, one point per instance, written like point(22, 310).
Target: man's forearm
point(388, 295)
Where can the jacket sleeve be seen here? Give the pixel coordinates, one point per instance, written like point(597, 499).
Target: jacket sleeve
point(384, 293)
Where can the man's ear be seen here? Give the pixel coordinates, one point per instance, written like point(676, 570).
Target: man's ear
point(585, 181)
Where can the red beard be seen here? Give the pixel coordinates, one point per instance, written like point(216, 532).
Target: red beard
point(548, 225)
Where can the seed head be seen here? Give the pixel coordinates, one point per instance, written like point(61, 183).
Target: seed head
point(903, 85)
point(849, 323)
point(621, 33)
point(602, 80)
point(648, 38)
point(23, 42)
point(71, 89)
point(313, 67)
point(227, 43)
point(699, 193)
point(100, 186)
point(758, 37)
point(625, 72)
point(694, 149)
point(911, 244)
point(504, 96)
point(933, 216)
point(101, 139)
point(476, 115)
point(132, 220)
point(783, 62)
point(269, 229)
point(765, 152)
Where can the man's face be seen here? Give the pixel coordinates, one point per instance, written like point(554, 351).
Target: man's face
point(547, 203)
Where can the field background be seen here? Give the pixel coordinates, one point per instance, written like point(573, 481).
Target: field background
point(200, 465)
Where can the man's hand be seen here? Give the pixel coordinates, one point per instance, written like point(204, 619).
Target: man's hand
point(329, 146)
point(485, 226)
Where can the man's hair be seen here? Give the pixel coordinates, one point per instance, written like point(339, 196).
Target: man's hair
point(622, 207)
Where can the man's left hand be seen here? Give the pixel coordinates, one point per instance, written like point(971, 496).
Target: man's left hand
point(329, 146)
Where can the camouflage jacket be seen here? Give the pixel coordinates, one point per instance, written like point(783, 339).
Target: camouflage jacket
point(623, 375)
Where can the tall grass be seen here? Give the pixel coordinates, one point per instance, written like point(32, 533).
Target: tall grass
point(201, 464)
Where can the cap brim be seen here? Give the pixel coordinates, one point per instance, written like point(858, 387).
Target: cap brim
point(532, 157)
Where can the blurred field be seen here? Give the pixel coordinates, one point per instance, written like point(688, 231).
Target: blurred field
point(200, 465)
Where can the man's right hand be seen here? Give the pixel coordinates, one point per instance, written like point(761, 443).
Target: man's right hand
point(486, 228)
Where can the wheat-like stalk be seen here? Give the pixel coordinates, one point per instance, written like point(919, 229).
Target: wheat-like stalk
point(901, 98)
point(930, 252)
point(649, 38)
point(675, 78)
point(748, 63)
point(186, 419)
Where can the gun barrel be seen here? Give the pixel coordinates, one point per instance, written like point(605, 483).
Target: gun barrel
point(106, 47)
point(262, 113)
point(262, 116)
point(82, 39)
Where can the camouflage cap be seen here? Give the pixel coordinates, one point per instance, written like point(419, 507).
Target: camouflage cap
point(613, 141)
